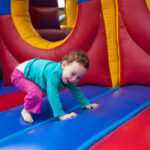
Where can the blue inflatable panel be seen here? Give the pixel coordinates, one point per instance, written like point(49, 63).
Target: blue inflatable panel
point(71, 134)
point(80, 1)
point(8, 89)
point(5, 7)
point(13, 122)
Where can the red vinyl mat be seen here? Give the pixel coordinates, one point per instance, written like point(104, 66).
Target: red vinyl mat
point(133, 135)
point(11, 100)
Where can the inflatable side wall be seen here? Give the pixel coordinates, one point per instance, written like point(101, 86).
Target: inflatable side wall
point(114, 34)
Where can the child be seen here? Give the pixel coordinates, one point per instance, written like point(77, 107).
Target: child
point(38, 76)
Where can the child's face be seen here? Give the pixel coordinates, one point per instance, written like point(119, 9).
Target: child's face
point(73, 72)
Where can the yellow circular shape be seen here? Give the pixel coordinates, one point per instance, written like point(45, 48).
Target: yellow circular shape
point(21, 19)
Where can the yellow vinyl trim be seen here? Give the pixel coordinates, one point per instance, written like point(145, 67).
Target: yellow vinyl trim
point(21, 18)
point(117, 33)
point(148, 4)
point(109, 14)
point(70, 13)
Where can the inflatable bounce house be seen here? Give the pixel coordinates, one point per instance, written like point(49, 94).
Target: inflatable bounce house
point(115, 34)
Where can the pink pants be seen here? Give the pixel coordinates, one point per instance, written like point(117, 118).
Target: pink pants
point(33, 98)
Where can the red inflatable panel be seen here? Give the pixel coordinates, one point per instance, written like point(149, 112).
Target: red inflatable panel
point(134, 61)
point(133, 135)
point(98, 73)
point(8, 62)
point(11, 100)
point(44, 17)
point(134, 39)
point(54, 34)
point(51, 3)
point(136, 16)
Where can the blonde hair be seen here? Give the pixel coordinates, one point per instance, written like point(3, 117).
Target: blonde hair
point(79, 56)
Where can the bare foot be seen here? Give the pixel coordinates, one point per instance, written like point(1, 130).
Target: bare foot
point(27, 116)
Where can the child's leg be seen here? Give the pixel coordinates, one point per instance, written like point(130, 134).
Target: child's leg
point(33, 99)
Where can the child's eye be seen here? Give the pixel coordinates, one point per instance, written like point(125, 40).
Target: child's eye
point(73, 74)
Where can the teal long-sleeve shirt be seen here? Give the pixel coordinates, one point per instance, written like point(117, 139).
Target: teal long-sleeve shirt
point(47, 74)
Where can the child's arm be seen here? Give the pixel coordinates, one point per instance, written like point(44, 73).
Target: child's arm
point(68, 116)
point(82, 100)
point(78, 95)
point(54, 100)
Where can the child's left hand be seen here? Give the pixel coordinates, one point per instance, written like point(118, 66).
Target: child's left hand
point(92, 106)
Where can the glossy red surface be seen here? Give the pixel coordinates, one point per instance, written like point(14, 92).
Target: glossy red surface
point(133, 135)
point(134, 39)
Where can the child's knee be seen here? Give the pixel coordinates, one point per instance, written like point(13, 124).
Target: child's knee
point(37, 95)
point(34, 95)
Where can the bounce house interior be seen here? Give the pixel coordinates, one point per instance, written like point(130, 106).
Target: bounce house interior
point(115, 34)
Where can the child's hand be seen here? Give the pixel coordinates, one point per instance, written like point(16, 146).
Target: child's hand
point(92, 106)
point(68, 116)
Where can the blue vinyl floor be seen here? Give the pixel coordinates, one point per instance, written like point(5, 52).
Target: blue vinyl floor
point(48, 133)
point(14, 118)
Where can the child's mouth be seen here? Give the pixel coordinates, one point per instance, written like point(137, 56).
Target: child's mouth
point(68, 81)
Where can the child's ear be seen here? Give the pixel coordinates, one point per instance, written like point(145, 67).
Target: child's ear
point(64, 63)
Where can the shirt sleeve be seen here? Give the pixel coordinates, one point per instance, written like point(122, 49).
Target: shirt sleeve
point(78, 95)
point(53, 98)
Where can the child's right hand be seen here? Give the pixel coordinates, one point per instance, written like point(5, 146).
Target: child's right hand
point(68, 116)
